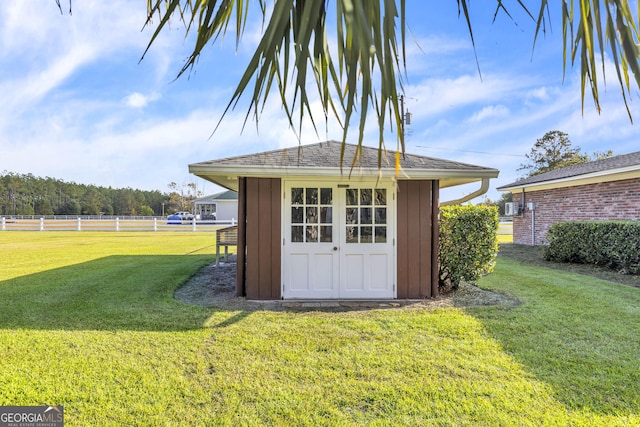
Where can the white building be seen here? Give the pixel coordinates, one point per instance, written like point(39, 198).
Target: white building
point(221, 206)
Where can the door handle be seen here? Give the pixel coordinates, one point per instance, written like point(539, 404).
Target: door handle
point(335, 248)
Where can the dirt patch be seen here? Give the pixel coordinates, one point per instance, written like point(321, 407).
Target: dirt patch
point(214, 287)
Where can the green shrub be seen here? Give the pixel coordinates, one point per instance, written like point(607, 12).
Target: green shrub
point(612, 244)
point(468, 243)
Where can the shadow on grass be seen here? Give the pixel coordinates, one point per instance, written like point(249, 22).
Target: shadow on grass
point(573, 332)
point(111, 293)
point(533, 255)
point(238, 317)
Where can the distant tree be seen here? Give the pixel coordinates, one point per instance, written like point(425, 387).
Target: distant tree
point(14, 188)
point(193, 192)
point(91, 202)
point(182, 195)
point(554, 151)
point(145, 210)
point(599, 155)
point(124, 202)
point(43, 207)
point(71, 207)
point(107, 209)
point(25, 194)
point(25, 209)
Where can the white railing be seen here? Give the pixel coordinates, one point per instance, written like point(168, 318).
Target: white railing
point(67, 223)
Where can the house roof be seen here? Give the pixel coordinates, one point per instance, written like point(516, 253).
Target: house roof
point(614, 168)
point(323, 159)
point(225, 195)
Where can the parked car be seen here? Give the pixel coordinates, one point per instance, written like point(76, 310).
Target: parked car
point(174, 219)
point(187, 216)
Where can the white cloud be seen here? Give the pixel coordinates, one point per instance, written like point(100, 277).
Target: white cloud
point(538, 94)
point(40, 82)
point(489, 112)
point(436, 96)
point(138, 100)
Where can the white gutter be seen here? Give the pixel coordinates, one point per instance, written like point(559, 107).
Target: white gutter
point(479, 192)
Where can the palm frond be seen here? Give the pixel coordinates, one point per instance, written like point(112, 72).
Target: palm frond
point(363, 71)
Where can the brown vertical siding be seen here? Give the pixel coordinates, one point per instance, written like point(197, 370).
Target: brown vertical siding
point(415, 239)
point(242, 237)
point(263, 233)
point(435, 237)
point(424, 228)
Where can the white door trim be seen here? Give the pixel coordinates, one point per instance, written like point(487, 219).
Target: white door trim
point(336, 269)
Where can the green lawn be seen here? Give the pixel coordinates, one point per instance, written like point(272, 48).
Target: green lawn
point(87, 320)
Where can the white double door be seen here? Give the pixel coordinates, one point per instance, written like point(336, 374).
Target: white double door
point(338, 240)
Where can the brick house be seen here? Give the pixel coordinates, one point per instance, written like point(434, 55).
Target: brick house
point(607, 189)
point(310, 227)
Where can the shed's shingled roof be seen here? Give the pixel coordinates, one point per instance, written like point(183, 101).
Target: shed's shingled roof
point(327, 155)
point(610, 163)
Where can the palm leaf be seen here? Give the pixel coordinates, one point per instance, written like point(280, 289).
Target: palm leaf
point(362, 72)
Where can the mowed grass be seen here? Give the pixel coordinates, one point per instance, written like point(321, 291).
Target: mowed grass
point(87, 320)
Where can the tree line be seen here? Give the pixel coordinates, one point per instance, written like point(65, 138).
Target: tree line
point(26, 194)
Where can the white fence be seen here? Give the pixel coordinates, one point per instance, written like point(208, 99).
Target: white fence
point(505, 228)
point(67, 223)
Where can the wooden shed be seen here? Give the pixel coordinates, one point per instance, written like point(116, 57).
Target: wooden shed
point(310, 229)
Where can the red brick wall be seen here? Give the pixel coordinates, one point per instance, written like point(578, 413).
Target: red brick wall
point(618, 200)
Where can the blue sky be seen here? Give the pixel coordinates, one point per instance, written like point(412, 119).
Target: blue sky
point(79, 106)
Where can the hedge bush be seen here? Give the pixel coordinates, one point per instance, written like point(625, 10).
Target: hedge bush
point(468, 243)
point(612, 244)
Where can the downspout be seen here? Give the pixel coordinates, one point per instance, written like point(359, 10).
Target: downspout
point(532, 208)
point(483, 189)
point(524, 208)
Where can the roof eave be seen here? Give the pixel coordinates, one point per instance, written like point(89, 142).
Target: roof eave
point(226, 176)
point(306, 171)
point(613, 175)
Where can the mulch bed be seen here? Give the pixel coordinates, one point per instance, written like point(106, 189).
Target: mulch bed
point(215, 287)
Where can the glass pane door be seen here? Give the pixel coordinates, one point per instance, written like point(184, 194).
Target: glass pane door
point(366, 215)
point(311, 214)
